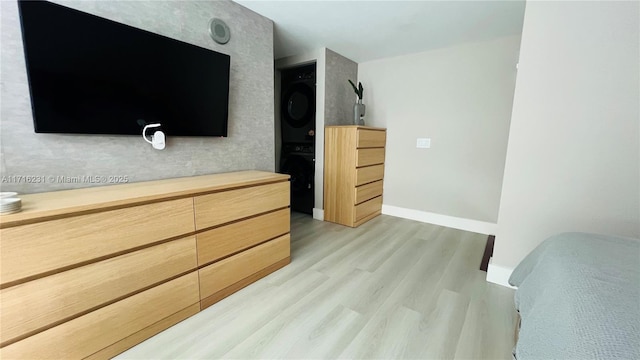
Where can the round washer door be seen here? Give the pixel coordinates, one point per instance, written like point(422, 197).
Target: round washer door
point(298, 105)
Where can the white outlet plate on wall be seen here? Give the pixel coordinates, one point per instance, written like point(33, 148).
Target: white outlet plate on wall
point(423, 143)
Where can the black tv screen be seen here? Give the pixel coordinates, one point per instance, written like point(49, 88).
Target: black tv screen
point(90, 75)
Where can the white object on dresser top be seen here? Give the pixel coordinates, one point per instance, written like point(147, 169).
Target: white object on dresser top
point(10, 205)
point(7, 194)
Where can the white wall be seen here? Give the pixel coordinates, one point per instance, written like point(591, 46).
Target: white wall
point(573, 160)
point(461, 98)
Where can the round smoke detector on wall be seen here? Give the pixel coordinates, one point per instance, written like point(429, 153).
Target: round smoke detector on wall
point(219, 31)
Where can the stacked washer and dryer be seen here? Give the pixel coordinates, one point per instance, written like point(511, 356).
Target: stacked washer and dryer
point(298, 124)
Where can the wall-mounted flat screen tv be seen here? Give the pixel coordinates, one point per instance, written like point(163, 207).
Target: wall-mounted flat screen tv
point(90, 75)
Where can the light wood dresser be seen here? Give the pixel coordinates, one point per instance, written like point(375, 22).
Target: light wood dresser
point(89, 273)
point(353, 173)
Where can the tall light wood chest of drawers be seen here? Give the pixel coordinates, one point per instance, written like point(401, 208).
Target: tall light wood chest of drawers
point(89, 273)
point(353, 173)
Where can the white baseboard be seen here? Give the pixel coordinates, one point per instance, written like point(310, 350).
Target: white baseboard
point(318, 214)
point(476, 226)
point(499, 275)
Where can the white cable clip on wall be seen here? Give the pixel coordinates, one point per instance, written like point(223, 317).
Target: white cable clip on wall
point(157, 139)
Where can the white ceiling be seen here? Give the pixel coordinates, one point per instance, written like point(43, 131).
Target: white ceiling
point(368, 30)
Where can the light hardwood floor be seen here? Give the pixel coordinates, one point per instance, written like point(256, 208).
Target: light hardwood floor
point(390, 289)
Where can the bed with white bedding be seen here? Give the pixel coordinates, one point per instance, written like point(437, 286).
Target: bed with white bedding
point(579, 298)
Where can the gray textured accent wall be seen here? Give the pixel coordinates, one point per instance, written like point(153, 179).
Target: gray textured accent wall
point(250, 144)
point(339, 95)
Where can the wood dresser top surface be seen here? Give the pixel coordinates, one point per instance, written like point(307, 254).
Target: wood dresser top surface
point(357, 126)
point(51, 205)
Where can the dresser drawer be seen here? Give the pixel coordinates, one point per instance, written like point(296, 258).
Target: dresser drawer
point(369, 174)
point(224, 273)
point(365, 157)
point(225, 240)
point(368, 191)
point(132, 340)
point(223, 207)
point(31, 250)
point(371, 138)
point(367, 208)
point(99, 329)
point(42, 302)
